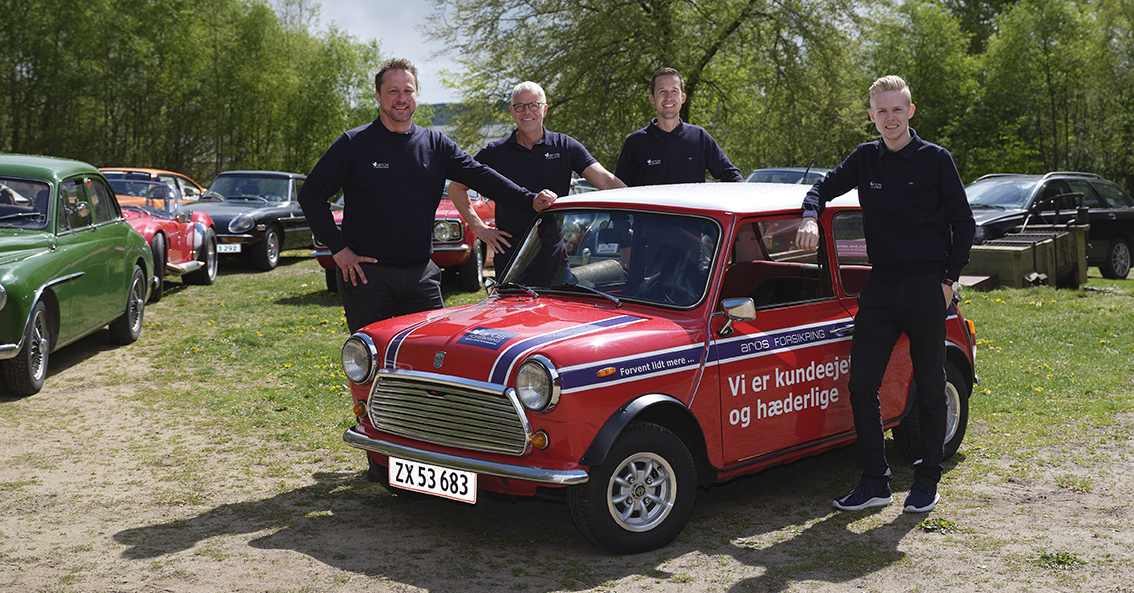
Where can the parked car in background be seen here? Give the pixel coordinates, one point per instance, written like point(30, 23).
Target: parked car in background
point(256, 214)
point(182, 242)
point(786, 175)
point(455, 246)
point(1003, 202)
point(70, 265)
point(190, 190)
point(645, 342)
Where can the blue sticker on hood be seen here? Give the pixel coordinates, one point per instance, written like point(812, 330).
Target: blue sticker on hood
point(486, 337)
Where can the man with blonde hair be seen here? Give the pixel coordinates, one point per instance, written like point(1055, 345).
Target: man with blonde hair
point(532, 156)
point(918, 229)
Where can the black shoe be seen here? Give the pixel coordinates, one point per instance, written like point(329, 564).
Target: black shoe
point(922, 498)
point(865, 496)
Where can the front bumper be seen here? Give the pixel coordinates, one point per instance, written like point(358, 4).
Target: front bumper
point(491, 468)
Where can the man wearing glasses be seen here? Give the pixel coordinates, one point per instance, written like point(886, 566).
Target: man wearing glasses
point(670, 150)
point(532, 157)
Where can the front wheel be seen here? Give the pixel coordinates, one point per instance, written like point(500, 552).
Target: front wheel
point(641, 497)
point(207, 273)
point(1117, 263)
point(471, 273)
point(128, 328)
point(157, 249)
point(24, 374)
point(266, 255)
point(907, 434)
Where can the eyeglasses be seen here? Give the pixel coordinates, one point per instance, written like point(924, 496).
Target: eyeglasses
point(534, 105)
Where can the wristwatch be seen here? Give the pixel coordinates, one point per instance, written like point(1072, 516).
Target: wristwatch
point(950, 283)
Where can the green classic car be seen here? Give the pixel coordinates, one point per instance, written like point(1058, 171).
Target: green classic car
point(70, 265)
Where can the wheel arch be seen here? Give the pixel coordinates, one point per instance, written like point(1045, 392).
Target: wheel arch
point(957, 356)
point(665, 411)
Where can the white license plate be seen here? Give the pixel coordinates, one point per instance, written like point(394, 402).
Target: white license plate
point(430, 479)
point(228, 248)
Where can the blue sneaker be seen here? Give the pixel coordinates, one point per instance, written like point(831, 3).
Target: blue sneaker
point(922, 498)
point(865, 496)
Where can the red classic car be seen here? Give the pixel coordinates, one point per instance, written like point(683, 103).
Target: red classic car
point(183, 243)
point(645, 342)
point(455, 246)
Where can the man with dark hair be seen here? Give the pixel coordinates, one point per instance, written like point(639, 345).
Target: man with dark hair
point(392, 174)
point(670, 150)
point(918, 229)
point(533, 157)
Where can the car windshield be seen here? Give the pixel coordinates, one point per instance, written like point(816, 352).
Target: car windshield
point(24, 203)
point(782, 176)
point(1005, 193)
point(623, 255)
point(239, 187)
point(154, 195)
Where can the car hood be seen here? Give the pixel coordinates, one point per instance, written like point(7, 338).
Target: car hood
point(589, 344)
point(19, 244)
point(990, 215)
point(446, 209)
point(222, 212)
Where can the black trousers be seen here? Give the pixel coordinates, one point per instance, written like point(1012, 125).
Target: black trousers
point(887, 308)
point(390, 292)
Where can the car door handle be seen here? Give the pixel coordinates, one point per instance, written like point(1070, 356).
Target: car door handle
point(843, 329)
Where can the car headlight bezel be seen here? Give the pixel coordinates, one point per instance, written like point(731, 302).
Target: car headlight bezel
point(241, 223)
point(359, 359)
point(538, 384)
point(447, 231)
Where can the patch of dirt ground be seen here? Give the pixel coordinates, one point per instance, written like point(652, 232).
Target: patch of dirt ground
point(97, 495)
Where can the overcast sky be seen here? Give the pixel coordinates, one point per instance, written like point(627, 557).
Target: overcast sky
point(395, 26)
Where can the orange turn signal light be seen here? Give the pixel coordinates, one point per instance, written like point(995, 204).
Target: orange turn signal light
point(540, 440)
point(608, 371)
point(360, 408)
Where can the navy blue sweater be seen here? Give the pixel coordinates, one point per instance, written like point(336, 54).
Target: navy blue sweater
point(916, 218)
point(652, 156)
point(392, 183)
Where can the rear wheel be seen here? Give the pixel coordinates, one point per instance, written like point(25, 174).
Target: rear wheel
point(24, 374)
point(907, 434)
point(127, 328)
point(641, 497)
point(207, 273)
point(157, 248)
point(1117, 263)
point(266, 255)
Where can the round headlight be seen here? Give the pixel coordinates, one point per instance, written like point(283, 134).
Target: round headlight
point(537, 384)
point(241, 223)
point(359, 356)
point(446, 231)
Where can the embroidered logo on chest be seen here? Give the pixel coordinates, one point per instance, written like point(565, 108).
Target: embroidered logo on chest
point(378, 165)
point(547, 156)
point(652, 162)
point(875, 185)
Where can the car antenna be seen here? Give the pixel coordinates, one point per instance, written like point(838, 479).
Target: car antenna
point(817, 149)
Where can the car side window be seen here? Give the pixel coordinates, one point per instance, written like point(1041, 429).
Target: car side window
point(298, 185)
point(1113, 196)
point(769, 268)
point(76, 212)
point(1091, 198)
point(850, 251)
point(102, 201)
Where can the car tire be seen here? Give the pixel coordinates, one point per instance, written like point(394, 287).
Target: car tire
point(615, 511)
point(332, 276)
point(24, 374)
point(127, 328)
point(266, 254)
point(907, 434)
point(1116, 266)
point(207, 273)
point(157, 248)
point(471, 273)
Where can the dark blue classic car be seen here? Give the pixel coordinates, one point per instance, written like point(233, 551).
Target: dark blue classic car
point(257, 214)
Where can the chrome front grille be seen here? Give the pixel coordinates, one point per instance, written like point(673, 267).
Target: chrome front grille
point(449, 411)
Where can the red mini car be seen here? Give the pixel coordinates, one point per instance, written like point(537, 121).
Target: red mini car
point(183, 243)
point(645, 342)
point(455, 246)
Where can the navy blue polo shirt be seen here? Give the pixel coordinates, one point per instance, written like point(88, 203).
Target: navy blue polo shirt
point(916, 217)
point(392, 183)
point(652, 156)
point(548, 165)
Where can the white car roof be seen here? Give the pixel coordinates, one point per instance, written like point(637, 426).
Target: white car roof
point(740, 198)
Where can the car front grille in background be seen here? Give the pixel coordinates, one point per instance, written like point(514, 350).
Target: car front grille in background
point(448, 411)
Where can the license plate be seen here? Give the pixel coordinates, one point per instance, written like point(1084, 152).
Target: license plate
point(228, 248)
point(430, 479)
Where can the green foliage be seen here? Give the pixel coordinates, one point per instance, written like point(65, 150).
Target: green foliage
point(197, 87)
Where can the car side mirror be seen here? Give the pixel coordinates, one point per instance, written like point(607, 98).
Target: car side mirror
point(737, 309)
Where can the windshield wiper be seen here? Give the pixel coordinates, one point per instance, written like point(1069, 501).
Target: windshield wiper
point(22, 215)
point(987, 206)
point(253, 198)
point(532, 293)
point(610, 297)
